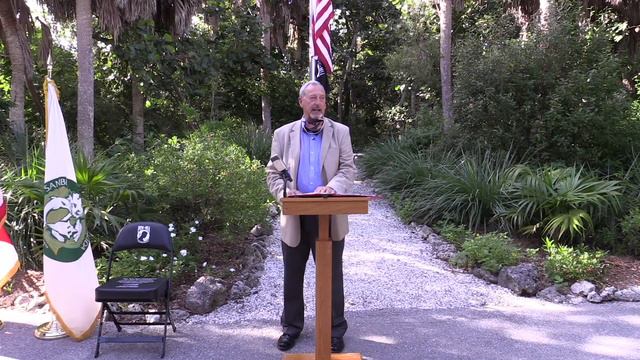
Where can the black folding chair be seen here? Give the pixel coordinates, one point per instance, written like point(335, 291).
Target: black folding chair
point(135, 289)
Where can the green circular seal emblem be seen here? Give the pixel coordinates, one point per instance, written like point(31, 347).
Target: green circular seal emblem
point(65, 233)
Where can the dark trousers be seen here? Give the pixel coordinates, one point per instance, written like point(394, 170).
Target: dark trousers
point(295, 262)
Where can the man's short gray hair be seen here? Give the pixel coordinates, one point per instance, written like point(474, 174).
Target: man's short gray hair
point(306, 85)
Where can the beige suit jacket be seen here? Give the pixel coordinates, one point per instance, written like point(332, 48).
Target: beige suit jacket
point(338, 171)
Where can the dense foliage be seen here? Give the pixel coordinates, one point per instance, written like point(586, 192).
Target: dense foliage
point(204, 177)
point(556, 97)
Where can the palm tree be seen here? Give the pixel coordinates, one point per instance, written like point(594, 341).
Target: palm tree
point(114, 16)
point(15, 27)
point(278, 17)
point(10, 37)
point(446, 75)
point(445, 12)
point(265, 16)
point(85, 78)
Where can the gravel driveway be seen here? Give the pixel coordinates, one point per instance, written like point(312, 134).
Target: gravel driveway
point(386, 266)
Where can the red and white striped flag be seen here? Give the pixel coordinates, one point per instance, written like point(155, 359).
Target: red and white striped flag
point(9, 263)
point(321, 29)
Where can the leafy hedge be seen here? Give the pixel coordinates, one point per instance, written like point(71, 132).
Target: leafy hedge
point(204, 177)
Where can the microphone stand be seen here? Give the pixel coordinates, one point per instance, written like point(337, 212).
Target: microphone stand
point(284, 181)
point(284, 174)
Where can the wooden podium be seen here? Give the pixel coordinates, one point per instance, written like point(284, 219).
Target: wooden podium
point(324, 207)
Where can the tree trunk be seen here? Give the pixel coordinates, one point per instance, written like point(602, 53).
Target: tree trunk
point(12, 44)
point(446, 23)
point(413, 101)
point(137, 115)
point(545, 10)
point(351, 55)
point(85, 78)
point(265, 16)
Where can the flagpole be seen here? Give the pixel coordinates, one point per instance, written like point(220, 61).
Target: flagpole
point(50, 330)
point(312, 62)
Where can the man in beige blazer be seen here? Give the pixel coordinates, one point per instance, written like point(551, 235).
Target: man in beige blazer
point(318, 154)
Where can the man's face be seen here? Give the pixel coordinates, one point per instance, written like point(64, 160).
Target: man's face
point(313, 103)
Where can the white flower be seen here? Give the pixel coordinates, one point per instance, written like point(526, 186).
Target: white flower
point(143, 258)
point(164, 255)
point(200, 238)
point(151, 258)
point(192, 229)
point(232, 270)
point(183, 252)
point(204, 264)
point(171, 227)
point(197, 222)
point(173, 234)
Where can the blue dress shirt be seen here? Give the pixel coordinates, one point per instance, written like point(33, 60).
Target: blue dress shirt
point(310, 169)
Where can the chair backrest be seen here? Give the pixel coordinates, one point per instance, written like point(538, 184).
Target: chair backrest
point(144, 235)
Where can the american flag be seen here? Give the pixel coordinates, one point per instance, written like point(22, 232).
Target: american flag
point(321, 23)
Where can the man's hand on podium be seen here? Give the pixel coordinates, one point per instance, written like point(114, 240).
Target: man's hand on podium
point(293, 192)
point(324, 190)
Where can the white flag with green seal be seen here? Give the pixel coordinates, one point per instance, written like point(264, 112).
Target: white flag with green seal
point(70, 275)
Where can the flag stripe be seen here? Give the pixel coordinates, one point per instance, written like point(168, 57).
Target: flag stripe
point(9, 263)
point(321, 23)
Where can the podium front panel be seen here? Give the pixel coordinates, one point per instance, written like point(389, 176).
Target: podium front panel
point(332, 205)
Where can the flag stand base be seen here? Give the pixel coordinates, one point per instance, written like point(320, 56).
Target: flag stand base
point(50, 331)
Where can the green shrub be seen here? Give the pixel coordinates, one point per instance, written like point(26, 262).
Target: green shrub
point(248, 136)
point(556, 96)
point(490, 251)
point(630, 226)
point(558, 201)
point(109, 195)
point(205, 177)
point(566, 264)
point(455, 234)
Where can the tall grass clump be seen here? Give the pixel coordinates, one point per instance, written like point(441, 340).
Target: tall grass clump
point(466, 188)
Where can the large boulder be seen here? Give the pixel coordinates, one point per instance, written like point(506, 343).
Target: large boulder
point(583, 288)
point(551, 294)
point(630, 294)
point(205, 294)
point(522, 279)
point(608, 293)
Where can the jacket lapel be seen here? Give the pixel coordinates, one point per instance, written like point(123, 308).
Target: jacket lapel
point(327, 134)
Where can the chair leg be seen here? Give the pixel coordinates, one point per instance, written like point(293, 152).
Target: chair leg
point(167, 320)
point(102, 310)
point(113, 317)
point(168, 314)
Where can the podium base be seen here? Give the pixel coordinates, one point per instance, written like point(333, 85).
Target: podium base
point(311, 356)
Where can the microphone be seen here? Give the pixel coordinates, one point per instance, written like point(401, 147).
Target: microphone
point(281, 167)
